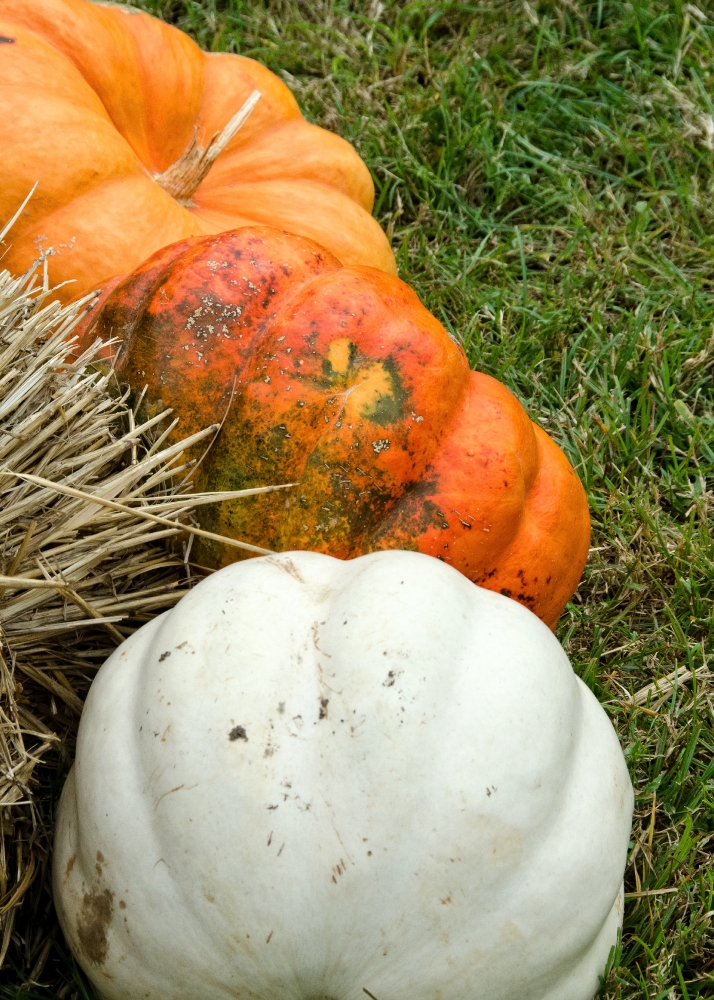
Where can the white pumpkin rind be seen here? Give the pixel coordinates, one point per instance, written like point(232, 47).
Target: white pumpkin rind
point(343, 776)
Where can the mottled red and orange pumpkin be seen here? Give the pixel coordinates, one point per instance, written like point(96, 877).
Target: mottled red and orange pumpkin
point(337, 379)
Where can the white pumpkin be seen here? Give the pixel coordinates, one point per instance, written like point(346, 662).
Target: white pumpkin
point(325, 779)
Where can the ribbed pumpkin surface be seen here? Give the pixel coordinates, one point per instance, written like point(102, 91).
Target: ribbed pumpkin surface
point(338, 379)
point(98, 102)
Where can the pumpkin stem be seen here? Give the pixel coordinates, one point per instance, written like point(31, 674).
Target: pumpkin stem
point(183, 177)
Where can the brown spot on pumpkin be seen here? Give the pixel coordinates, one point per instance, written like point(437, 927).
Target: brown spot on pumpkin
point(506, 592)
point(95, 916)
point(70, 866)
point(287, 566)
point(122, 904)
point(238, 733)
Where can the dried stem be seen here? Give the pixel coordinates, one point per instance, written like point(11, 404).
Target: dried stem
point(183, 177)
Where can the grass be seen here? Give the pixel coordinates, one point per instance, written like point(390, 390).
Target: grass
point(546, 174)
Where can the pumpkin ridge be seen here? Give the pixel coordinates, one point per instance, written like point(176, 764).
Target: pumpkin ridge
point(324, 463)
point(83, 228)
point(48, 202)
point(322, 158)
point(27, 37)
point(439, 509)
point(200, 244)
point(119, 306)
point(306, 206)
point(163, 87)
point(66, 25)
point(554, 532)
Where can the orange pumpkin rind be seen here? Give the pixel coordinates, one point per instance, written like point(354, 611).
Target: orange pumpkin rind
point(98, 103)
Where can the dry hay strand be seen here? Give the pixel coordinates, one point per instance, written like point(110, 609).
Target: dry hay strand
point(91, 547)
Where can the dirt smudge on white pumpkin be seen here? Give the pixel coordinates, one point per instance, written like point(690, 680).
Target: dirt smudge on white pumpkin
point(287, 566)
point(511, 931)
point(503, 843)
point(93, 922)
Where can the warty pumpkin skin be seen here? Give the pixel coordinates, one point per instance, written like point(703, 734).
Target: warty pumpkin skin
point(337, 379)
point(314, 778)
point(97, 102)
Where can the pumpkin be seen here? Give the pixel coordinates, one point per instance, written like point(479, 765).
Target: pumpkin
point(337, 379)
point(129, 128)
point(315, 778)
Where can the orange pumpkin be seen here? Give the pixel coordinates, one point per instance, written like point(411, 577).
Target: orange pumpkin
point(113, 113)
point(337, 379)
